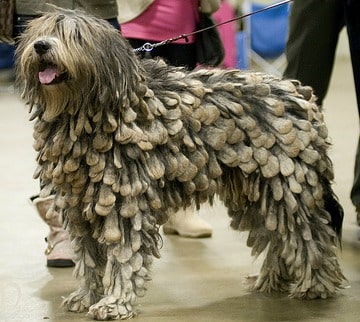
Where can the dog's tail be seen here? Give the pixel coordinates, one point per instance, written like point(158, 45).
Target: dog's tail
point(333, 207)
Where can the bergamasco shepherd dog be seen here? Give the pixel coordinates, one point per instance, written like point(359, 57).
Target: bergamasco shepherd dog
point(122, 143)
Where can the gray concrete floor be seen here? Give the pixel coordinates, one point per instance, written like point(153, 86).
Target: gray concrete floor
point(195, 280)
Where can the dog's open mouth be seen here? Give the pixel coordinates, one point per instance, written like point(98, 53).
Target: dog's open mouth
point(50, 74)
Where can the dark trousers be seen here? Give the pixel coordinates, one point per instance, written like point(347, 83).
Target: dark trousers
point(313, 36)
point(174, 54)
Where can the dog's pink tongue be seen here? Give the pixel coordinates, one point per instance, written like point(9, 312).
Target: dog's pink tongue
point(48, 75)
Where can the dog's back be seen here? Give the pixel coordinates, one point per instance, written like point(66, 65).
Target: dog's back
point(268, 127)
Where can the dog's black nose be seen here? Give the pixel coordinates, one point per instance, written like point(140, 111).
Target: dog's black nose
point(41, 47)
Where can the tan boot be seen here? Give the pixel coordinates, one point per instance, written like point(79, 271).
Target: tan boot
point(58, 251)
point(187, 223)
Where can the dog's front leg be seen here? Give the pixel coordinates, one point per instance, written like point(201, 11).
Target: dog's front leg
point(127, 268)
point(90, 264)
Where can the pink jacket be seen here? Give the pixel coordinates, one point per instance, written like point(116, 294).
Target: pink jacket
point(164, 19)
point(227, 32)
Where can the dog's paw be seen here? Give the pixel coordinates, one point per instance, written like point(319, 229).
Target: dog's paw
point(313, 292)
point(266, 284)
point(78, 301)
point(321, 283)
point(109, 308)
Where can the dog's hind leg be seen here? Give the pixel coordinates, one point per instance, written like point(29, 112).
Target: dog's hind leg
point(296, 227)
point(127, 268)
point(301, 250)
point(248, 213)
point(274, 275)
point(319, 275)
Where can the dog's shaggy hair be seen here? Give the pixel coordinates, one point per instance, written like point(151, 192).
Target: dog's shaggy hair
point(123, 143)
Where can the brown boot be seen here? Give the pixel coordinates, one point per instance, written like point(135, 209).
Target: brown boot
point(58, 251)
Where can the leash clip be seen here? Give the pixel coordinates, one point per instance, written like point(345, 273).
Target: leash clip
point(147, 46)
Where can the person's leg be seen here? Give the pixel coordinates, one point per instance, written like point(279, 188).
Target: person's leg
point(174, 54)
point(352, 11)
point(313, 35)
point(58, 251)
point(179, 55)
point(355, 190)
point(187, 223)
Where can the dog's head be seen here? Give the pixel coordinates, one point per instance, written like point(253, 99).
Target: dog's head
point(69, 55)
